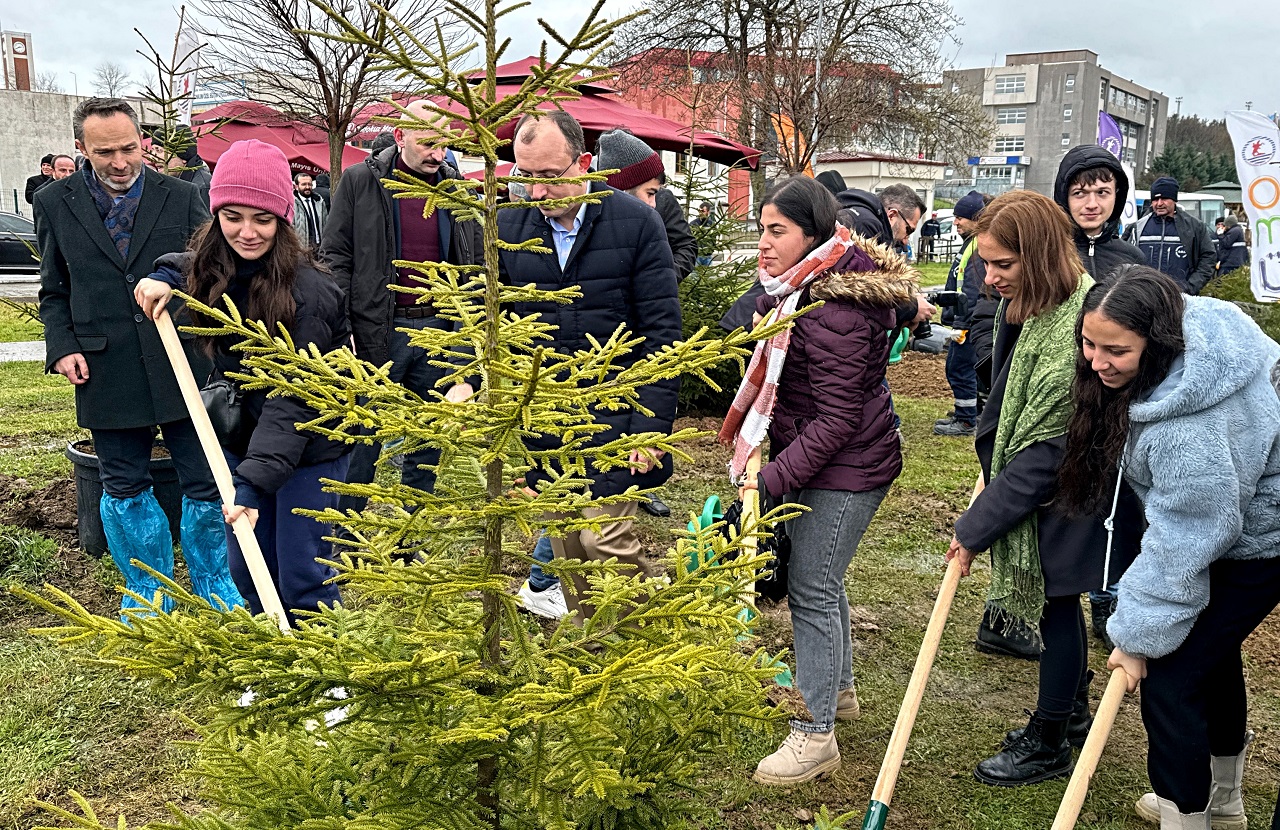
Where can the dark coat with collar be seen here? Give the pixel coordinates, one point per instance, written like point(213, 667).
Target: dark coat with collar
point(622, 264)
point(87, 305)
point(362, 238)
point(832, 426)
point(1072, 550)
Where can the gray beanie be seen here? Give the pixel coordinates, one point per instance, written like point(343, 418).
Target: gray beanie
point(636, 162)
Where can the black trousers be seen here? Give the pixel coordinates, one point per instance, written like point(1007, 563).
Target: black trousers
point(124, 459)
point(1193, 700)
point(1065, 657)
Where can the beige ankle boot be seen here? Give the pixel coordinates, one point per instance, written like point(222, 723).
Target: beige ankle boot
point(847, 707)
point(1172, 819)
point(802, 757)
point(1226, 807)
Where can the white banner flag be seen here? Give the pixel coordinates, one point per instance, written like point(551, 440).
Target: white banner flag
point(188, 63)
point(1256, 142)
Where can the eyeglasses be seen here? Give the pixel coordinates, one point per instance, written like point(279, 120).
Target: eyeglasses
point(520, 191)
point(910, 227)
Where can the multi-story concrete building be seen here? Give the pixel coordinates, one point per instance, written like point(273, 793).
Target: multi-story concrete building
point(1044, 103)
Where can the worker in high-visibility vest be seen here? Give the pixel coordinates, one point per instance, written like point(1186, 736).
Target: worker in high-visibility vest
point(967, 273)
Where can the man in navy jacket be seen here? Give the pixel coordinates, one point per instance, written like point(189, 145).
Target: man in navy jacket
point(616, 252)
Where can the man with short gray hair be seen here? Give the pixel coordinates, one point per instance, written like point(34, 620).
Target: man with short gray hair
point(99, 232)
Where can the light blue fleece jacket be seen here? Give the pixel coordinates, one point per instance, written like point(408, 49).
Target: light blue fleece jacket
point(1204, 457)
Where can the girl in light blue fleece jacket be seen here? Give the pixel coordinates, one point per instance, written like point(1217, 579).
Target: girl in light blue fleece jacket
point(1178, 391)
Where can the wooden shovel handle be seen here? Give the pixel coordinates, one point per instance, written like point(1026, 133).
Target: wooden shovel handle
point(888, 778)
point(249, 548)
point(1087, 764)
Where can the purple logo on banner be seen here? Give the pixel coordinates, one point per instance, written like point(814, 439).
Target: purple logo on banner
point(1109, 134)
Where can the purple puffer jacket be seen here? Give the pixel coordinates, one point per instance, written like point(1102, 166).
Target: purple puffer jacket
point(832, 426)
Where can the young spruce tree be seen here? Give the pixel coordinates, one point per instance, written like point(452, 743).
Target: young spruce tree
point(458, 711)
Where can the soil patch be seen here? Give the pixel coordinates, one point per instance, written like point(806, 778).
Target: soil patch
point(920, 375)
point(51, 508)
point(1263, 646)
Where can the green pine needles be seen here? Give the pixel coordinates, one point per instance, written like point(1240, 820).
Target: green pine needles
point(428, 700)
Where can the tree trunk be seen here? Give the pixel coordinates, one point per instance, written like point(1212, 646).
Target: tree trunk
point(336, 145)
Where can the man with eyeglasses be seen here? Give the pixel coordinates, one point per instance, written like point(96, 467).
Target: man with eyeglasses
point(366, 230)
point(616, 252)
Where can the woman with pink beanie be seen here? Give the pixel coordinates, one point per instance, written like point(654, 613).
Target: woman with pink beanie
point(251, 255)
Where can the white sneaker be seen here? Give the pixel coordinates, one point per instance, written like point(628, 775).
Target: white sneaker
point(549, 603)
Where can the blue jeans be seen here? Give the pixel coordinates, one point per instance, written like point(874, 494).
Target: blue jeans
point(539, 580)
point(290, 543)
point(409, 368)
point(823, 542)
point(1108, 595)
point(962, 377)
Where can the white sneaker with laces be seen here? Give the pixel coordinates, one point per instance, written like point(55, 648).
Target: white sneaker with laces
point(549, 603)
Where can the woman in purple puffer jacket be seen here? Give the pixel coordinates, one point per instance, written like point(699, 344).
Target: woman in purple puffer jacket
point(819, 391)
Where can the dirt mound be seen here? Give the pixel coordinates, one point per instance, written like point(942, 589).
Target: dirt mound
point(920, 375)
point(52, 507)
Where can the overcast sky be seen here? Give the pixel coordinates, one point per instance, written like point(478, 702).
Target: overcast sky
point(1179, 47)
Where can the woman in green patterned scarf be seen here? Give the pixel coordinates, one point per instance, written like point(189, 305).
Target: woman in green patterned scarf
point(1042, 559)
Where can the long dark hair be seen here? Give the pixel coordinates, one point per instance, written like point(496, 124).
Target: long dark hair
point(1149, 304)
point(270, 291)
point(807, 203)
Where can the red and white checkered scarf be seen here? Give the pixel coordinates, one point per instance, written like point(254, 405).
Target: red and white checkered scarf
point(747, 423)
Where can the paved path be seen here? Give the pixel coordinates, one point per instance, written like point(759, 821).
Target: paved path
point(17, 352)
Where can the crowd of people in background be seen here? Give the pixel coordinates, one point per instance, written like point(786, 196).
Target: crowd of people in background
point(1127, 432)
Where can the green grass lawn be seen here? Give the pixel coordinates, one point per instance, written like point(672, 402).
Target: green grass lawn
point(16, 327)
point(933, 273)
point(66, 724)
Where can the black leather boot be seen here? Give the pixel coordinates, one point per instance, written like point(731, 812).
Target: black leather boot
point(1040, 754)
point(1018, 641)
point(1101, 612)
point(1077, 725)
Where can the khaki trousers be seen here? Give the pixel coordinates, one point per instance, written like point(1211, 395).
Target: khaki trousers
point(615, 540)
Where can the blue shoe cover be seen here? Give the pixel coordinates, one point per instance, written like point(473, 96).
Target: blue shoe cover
point(204, 547)
point(136, 528)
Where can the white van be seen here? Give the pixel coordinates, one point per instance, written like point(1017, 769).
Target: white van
point(948, 243)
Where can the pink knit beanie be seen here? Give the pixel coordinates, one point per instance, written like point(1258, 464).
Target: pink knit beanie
point(254, 174)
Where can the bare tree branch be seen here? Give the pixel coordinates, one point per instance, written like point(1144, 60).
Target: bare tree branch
point(300, 62)
point(46, 82)
point(110, 79)
point(867, 77)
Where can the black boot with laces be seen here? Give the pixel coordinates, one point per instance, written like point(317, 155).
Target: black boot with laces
point(1077, 725)
point(1039, 754)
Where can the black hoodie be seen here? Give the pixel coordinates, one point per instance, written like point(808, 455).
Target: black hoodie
point(1105, 252)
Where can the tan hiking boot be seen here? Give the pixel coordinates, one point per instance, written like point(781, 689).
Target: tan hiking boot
point(802, 757)
point(847, 707)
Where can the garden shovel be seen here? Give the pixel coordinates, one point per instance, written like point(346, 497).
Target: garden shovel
point(878, 809)
point(1103, 720)
point(249, 548)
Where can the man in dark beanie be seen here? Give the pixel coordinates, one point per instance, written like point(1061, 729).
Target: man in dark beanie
point(42, 178)
point(966, 276)
point(1173, 241)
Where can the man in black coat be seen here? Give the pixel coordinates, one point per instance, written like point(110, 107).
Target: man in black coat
point(616, 252)
point(1173, 241)
point(1092, 188)
point(365, 231)
point(1233, 253)
point(99, 232)
point(42, 178)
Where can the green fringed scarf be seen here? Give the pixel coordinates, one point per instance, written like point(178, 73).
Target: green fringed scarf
point(1036, 407)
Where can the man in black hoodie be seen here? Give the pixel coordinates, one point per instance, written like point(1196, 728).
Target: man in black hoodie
point(1092, 188)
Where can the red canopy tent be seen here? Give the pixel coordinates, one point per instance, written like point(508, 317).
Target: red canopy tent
point(306, 147)
point(598, 111)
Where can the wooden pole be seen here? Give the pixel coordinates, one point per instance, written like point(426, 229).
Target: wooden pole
point(751, 512)
point(1087, 764)
point(249, 548)
point(878, 810)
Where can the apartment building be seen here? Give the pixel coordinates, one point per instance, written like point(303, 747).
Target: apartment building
point(1044, 103)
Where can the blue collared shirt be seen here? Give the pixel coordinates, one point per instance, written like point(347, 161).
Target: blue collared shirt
point(564, 239)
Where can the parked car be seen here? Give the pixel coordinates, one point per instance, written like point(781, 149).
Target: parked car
point(17, 245)
point(948, 243)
